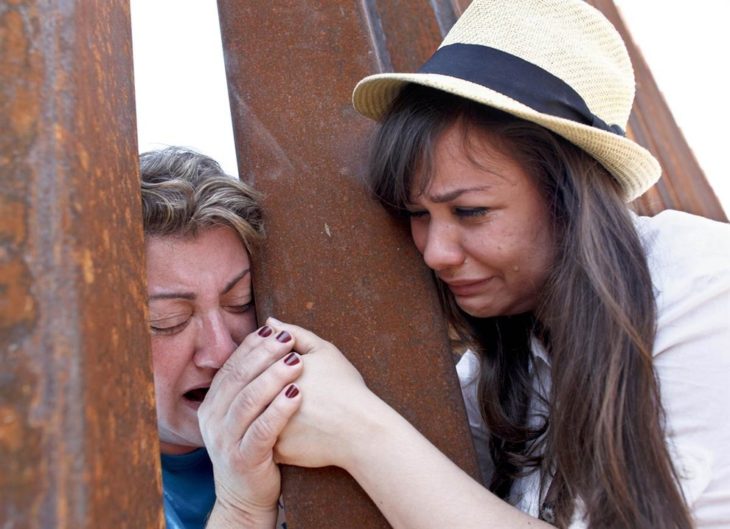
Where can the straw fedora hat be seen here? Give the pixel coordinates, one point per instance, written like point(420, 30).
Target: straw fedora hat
point(557, 63)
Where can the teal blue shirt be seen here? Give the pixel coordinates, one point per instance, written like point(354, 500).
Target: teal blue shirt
point(188, 489)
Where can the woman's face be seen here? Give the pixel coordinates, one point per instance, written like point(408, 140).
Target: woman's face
point(483, 227)
point(200, 305)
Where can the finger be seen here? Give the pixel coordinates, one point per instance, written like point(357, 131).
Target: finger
point(329, 357)
point(258, 352)
point(252, 400)
point(260, 438)
point(244, 350)
point(246, 359)
point(306, 340)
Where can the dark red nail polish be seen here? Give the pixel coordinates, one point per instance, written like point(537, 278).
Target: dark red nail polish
point(292, 359)
point(265, 331)
point(292, 391)
point(283, 337)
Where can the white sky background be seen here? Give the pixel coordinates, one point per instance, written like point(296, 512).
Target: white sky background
point(180, 80)
point(182, 98)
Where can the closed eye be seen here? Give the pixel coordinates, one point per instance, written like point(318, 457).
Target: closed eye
point(239, 309)
point(172, 329)
point(470, 212)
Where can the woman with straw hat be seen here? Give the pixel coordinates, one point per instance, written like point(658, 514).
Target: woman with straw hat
point(596, 382)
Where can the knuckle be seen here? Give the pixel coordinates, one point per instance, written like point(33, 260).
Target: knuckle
point(275, 348)
point(248, 341)
point(248, 401)
point(235, 373)
point(263, 431)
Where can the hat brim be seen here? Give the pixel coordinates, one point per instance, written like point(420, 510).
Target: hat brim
point(633, 166)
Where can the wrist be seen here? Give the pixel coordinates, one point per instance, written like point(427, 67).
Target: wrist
point(227, 516)
point(372, 425)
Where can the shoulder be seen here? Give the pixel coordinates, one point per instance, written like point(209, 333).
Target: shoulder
point(677, 242)
point(689, 261)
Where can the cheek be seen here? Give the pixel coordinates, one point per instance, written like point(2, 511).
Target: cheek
point(488, 247)
point(241, 325)
point(545, 248)
point(535, 261)
point(169, 359)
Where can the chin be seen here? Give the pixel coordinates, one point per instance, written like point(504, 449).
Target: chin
point(473, 307)
point(480, 309)
point(479, 312)
point(180, 439)
point(180, 447)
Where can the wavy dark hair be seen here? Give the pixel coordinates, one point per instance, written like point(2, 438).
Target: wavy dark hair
point(602, 442)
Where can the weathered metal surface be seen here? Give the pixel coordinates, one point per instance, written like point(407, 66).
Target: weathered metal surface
point(334, 261)
point(78, 442)
point(683, 185)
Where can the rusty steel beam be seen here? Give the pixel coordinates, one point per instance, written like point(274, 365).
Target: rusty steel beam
point(78, 441)
point(334, 261)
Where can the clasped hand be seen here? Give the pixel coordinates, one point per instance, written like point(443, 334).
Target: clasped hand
point(284, 396)
point(247, 406)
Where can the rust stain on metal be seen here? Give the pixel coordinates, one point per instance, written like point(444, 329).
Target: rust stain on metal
point(77, 425)
point(334, 261)
point(17, 307)
point(87, 262)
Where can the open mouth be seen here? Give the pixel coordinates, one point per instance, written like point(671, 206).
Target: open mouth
point(196, 395)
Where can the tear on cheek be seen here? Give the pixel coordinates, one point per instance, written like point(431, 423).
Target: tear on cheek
point(196, 395)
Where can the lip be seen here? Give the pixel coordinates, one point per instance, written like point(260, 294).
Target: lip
point(467, 287)
point(194, 403)
point(191, 403)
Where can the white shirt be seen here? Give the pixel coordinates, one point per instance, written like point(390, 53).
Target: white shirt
point(689, 261)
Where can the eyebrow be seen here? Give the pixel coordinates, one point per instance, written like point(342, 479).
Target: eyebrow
point(191, 295)
point(451, 195)
point(235, 280)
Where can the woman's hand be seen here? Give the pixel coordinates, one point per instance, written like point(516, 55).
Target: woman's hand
point(334, 398)
point(342, 423)
point(249, 402)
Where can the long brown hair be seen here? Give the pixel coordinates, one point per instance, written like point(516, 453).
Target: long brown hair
point(602, 442)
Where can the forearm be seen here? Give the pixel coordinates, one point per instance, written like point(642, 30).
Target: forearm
point(415, 485)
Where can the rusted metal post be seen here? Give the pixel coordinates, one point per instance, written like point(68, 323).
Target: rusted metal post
point(78, 441)
point(334, 261)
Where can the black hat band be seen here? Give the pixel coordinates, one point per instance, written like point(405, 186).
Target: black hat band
point(516, 78)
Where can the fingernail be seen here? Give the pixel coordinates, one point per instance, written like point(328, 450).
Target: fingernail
point(283, 337)
point(292, 359)
point(265, 331)
point(274, 321)
point(292, 391)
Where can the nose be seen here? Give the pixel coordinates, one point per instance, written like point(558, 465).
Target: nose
point(215, 341)
point(440, 244)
